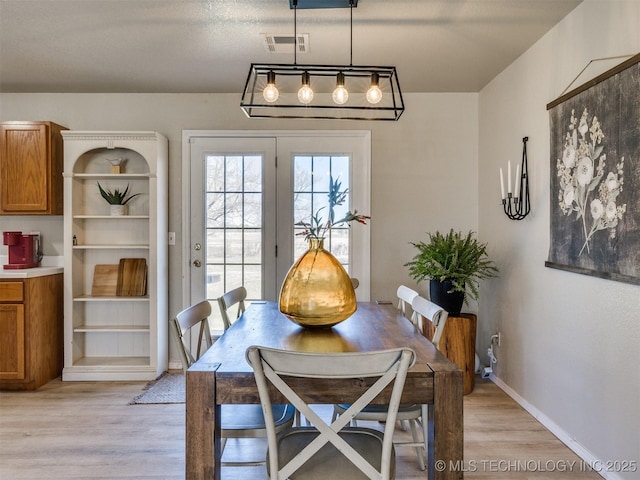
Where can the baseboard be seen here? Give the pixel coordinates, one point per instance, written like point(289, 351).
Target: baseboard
point(587, 457)
point(174, 365)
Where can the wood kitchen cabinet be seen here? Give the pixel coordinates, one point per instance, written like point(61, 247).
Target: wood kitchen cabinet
point(31, 161)
point(31, 331)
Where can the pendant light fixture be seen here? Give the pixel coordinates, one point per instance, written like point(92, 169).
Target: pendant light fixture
point(305, 94)
point(374, 94)
point(322, 91)
point(270, 92)
point(340, 95)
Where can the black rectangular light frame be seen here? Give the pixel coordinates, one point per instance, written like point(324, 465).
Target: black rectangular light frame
point(323, 78)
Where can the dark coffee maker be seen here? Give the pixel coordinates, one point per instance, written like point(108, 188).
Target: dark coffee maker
point(24, 250)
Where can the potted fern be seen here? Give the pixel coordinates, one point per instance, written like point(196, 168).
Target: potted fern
point(453, 263)
point(117, 200)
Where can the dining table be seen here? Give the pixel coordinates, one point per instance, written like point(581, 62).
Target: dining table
point(222, 376)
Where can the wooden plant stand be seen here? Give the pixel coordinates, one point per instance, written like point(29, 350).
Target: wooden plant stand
point(458, 344)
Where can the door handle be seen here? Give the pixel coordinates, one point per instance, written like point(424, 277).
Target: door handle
point(197, 263)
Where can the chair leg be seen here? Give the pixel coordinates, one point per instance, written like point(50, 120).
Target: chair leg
point(424, 422)
point(416, 439)
point(334, 416)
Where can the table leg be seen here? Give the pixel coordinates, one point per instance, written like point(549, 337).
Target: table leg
point(202, 447)
point(445, 432)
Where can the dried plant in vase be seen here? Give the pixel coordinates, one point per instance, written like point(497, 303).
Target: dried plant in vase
point(317, 291)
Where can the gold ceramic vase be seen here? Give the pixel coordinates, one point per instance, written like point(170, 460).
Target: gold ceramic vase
point(317, 292)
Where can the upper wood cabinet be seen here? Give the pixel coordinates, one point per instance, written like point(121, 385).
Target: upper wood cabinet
point(31, 161)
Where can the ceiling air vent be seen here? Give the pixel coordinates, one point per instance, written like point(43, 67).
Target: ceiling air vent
point(284, 43)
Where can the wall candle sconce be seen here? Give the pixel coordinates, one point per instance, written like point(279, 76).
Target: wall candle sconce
point(516, 205)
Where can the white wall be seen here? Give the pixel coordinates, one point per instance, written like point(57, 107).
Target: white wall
point(423, 166)
point(570, 342)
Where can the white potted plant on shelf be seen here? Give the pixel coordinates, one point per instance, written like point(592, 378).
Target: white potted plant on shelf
point(117, 200)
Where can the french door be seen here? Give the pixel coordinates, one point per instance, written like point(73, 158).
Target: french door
point(246, 192)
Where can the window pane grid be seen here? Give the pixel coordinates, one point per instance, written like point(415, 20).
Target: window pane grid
point(234, 224)
point(312, 174)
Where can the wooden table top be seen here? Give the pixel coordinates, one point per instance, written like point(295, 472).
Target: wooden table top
point(372, 327)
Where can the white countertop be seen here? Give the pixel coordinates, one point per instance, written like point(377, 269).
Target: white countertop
point(48, 266)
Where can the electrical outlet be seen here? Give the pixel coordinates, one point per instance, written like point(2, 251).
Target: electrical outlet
point(172, 238)
point(499, 339)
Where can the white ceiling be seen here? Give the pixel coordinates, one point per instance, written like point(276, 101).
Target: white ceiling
point(206, 46)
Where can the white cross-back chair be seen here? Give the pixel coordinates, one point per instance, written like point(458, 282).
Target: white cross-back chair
point(238, 421)
point(237, 296)
point(423, 311)
point(195, 315)
point(336, 451)
point(226, 302)
point(428, 313)
point(405, 297)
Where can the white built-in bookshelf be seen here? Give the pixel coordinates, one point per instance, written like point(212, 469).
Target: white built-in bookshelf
point(109, 336)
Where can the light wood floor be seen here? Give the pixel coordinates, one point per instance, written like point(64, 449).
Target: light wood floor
point(87, 430)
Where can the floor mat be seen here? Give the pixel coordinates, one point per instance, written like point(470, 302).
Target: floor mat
point(169, 388)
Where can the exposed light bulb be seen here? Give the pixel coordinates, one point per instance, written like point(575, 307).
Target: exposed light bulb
point(374, 94)
point(305, 94)
point(340, 94)
point(270, 92)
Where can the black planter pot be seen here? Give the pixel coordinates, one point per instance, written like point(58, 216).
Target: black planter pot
point(451, 302)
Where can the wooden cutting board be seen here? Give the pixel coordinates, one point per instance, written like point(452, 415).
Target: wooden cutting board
point(105, 281)
point(132, 277)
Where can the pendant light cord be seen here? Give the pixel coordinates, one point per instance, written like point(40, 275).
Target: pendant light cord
point(295, 32)
point(351, 30)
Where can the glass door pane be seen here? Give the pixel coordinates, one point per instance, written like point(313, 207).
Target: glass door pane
point(306, 164)
point(234, 223)
point(232, 219)
point(311, 178)
point(239, 224)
